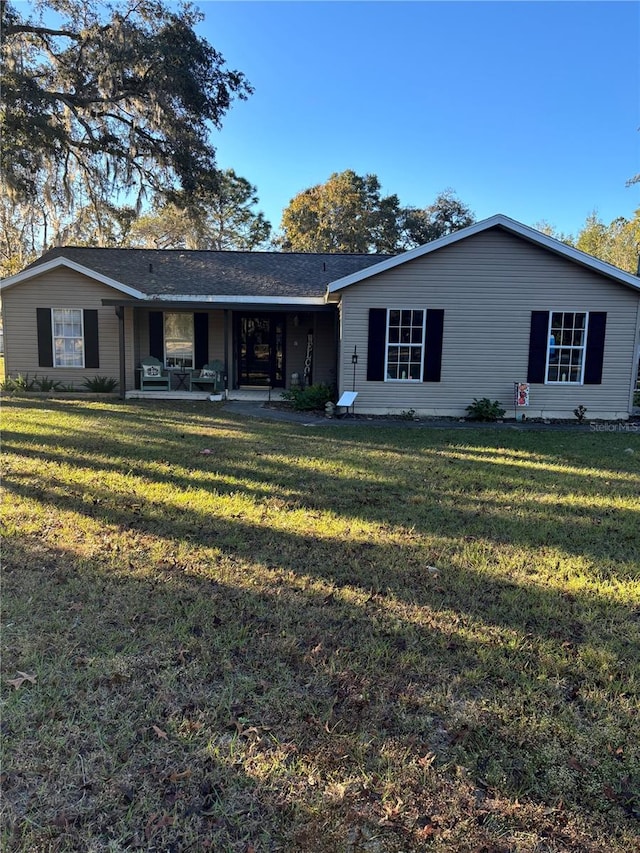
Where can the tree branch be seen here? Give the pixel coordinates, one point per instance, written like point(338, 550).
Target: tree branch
point(31, 29)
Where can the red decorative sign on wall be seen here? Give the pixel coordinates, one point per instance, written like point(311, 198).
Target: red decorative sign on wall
point(521, 393)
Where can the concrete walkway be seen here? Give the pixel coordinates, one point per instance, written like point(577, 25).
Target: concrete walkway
point(311, 419)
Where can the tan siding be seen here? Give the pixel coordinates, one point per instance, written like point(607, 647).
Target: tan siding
point(488, 285)
point(60, 288)
point(216, 335)
point(324, 359)
point(298, 326)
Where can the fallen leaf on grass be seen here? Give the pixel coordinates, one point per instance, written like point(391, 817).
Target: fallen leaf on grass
point(574, 764)
point(426, 831)
point(17, 683)
point(159, 733)
point(178, 776)
point(155, 823)
point(427, 760)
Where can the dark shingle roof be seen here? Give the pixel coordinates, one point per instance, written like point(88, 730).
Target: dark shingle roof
point(174, 272)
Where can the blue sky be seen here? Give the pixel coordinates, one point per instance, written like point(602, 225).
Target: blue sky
point(527, 109)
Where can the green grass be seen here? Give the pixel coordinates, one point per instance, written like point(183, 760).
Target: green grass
point(316, 639)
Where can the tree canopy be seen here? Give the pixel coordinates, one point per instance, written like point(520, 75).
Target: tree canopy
point(218, 219)
point(617, 243)
point(444, 216)
point(106, 99)
point(349, 214)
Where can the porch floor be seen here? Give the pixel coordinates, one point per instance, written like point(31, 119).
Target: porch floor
point(253, 395)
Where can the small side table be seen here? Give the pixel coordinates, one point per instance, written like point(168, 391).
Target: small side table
point(181, 379)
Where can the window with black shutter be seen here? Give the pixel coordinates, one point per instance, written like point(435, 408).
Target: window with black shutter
point(566, 347)
point(405, 344)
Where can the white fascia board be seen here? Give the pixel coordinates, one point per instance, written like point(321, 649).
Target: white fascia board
point(41, 269)
point(254, 300)
point(509, 225)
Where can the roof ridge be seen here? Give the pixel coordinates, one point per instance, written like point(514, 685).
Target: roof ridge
point(218, 251)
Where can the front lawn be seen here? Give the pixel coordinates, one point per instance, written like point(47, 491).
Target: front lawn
point(227, 635)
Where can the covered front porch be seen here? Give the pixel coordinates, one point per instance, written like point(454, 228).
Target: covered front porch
point(261, 347)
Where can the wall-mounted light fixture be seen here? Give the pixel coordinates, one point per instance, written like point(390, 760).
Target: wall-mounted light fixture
point(354, 361)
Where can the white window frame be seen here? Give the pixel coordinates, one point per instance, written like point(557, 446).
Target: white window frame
point(557, 346)
point(55, 338)
point(193, 338)
point(388, 344)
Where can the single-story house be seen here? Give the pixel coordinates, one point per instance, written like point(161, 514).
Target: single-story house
point(470, 315)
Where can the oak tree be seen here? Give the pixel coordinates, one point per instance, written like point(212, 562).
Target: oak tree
point(345, 214)
point(100, 100)
point(349, 214)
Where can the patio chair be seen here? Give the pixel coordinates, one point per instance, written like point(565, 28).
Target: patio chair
point(210, 378)
point(153, 376)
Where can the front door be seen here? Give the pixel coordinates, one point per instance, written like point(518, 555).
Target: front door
point(260, 342)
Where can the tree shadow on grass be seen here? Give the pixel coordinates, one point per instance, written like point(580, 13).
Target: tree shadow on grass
point(375, 649)
point(285, 718)
point(523, 515)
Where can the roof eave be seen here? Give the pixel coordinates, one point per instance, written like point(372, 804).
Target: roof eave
point(234, 303)
point(254, 299)
point(42, 269)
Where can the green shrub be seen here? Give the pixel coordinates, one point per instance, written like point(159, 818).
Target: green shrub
point(580, 412)
point(309, 399)
point(19, 383)
point(485, 410)
point(100, 384)
point(46, 384)
point(407, 414)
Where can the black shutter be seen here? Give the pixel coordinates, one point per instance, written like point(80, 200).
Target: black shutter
point(201, 343)
point(156, 335)
point(91, 348)
point(45, 337)
point(595, 348)
point(376, 344)
point(538, 345)
point(433, 346)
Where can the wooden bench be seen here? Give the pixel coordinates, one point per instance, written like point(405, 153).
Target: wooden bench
point(153, 376)
point(209, 377)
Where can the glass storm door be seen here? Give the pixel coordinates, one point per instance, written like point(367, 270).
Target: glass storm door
point(261, 350)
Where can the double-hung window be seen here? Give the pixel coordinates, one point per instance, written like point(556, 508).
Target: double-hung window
point(567, 346)
point(178, 340)
point(405, 344)
point(68, 337)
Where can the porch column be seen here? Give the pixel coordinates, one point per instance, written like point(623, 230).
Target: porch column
point(123, 370)
point(226, 351)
